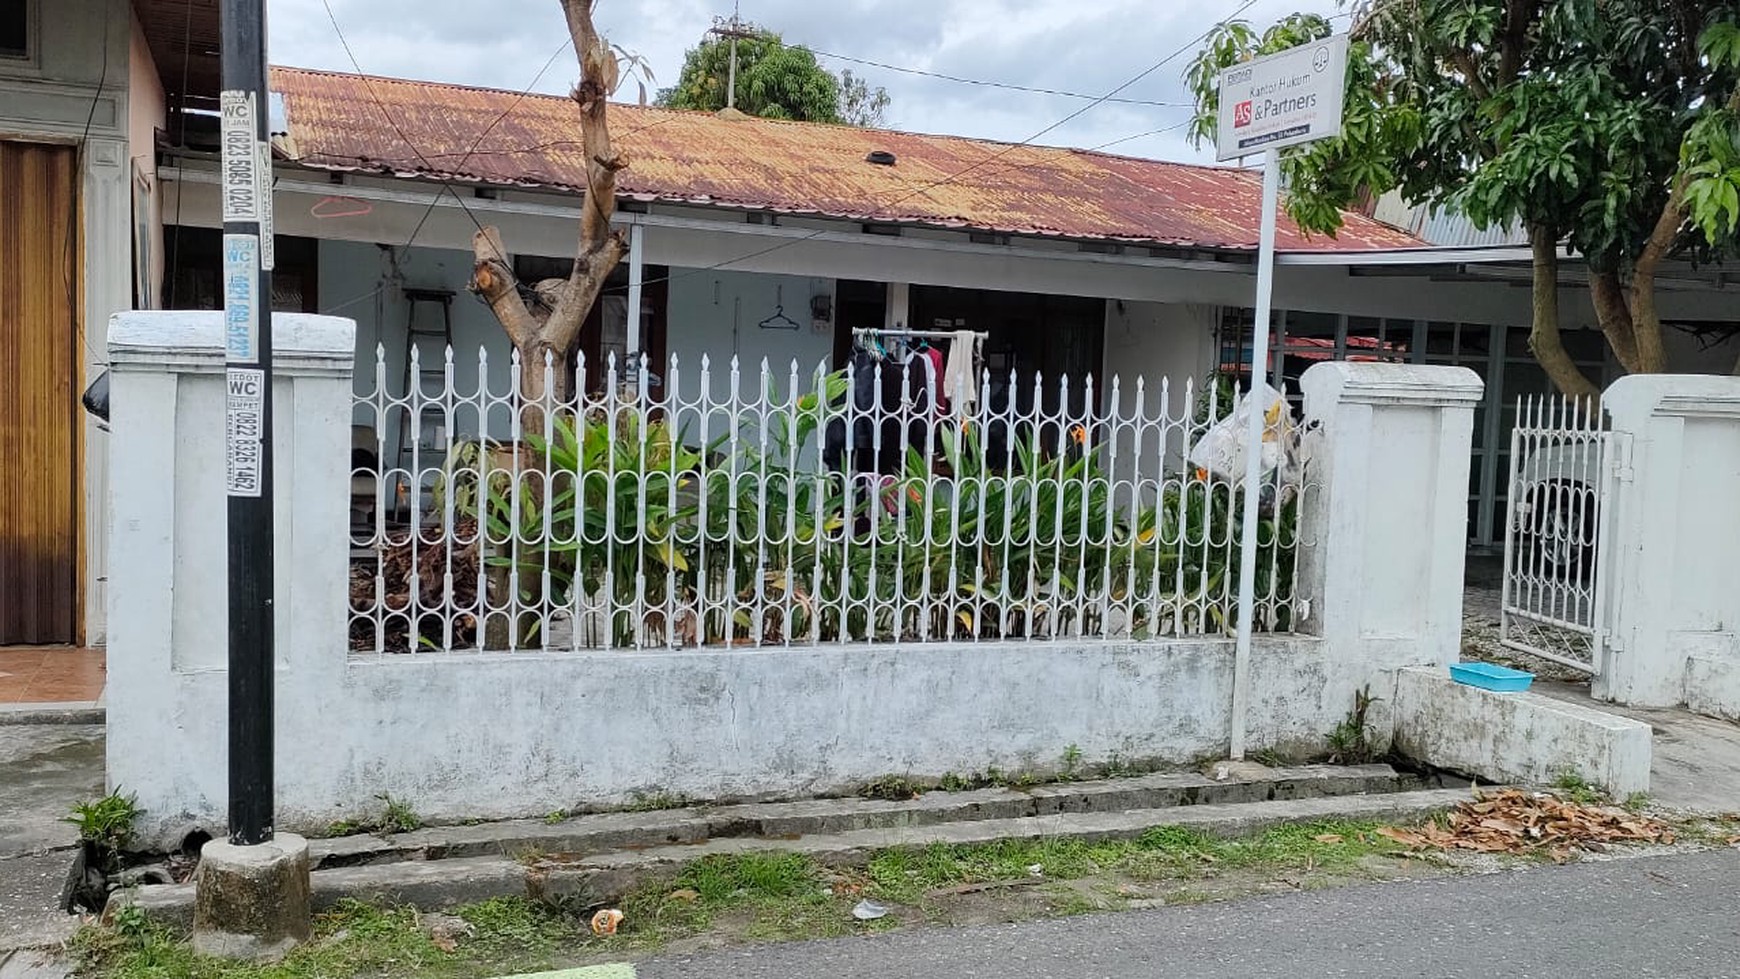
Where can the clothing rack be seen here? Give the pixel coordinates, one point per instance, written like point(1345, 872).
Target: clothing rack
point(927, 334)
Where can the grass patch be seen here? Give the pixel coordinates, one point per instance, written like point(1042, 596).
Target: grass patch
point(754, 897)
point(353, 939)
point(1163, 853)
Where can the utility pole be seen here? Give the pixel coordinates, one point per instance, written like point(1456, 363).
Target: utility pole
point(734, 28)
point(247, 278)
point(251, 891)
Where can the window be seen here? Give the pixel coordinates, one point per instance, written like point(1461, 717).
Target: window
point(14, 28)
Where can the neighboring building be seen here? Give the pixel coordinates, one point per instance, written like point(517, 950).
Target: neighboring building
point(82, 100)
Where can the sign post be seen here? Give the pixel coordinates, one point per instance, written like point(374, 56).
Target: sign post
point(1268, 104)
point(246, 184)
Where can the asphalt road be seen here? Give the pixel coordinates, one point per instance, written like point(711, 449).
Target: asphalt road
point(1675, 916)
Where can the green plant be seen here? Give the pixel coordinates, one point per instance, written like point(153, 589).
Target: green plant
point(108, 822)
point(1572, 786)
point(891, 788)
point(640, 801)
point(398, 816)
point(1349, 741)
point(742, 540)
point(1071, 760)
point(555, 817)
point(131, 923)
point(343, 827)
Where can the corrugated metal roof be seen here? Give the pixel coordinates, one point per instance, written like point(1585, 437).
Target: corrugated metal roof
point(341, 121)
point(1444, 228)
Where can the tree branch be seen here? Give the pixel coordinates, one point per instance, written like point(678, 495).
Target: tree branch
point(1615, 318)
point(1544, 339)
point(1465, 63)
point(493, 279)
point(600, 248)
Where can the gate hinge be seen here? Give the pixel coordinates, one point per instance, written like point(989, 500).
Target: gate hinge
point(1622, 469)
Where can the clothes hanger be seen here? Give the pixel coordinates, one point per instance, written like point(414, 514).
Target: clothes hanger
point(778, 321)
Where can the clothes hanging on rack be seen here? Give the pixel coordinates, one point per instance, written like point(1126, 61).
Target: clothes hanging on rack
point(960, 386)
point(891, 406)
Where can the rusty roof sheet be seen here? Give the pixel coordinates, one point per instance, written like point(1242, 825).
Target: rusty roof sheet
point(427, 130)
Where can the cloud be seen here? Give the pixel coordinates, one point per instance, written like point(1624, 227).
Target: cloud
point(1059, 44)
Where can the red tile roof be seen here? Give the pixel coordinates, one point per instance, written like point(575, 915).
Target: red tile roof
point(427, 130)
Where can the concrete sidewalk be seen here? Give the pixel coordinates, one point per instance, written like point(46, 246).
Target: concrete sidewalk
point(46, 769)
point(1695, 761)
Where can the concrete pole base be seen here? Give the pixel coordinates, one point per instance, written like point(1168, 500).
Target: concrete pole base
point(252, 902)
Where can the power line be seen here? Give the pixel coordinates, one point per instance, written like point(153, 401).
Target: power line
point(486, 131)
point(368, 83)
point(986, 83)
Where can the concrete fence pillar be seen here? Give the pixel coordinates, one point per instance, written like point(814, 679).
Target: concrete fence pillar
point(1386, 516)
point(1672, 536)
point(168, 594)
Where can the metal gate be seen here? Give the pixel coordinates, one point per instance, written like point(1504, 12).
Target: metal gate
point(1563, 467)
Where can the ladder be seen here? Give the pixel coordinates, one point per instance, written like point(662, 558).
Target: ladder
point(431, 345)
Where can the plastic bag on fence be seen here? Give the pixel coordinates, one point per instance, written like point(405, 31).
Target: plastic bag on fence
point(1221, 450)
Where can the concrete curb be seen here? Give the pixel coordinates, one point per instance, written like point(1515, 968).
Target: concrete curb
point(605, 877)
point(613, 831)
point(89, 712)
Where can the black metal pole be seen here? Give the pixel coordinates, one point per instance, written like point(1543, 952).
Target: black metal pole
point(247, 261)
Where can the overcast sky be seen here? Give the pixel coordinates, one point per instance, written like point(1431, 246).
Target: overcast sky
point(1086, 46)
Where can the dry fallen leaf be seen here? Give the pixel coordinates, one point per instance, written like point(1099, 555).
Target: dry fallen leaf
point(1328, 838)
point(1510, 821)
point(685, 894)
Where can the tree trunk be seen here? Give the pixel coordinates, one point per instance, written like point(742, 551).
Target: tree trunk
point(1544, 340)
point(1645, 320)
point(1615, 318)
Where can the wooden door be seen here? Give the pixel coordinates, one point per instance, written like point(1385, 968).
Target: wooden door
point(40, 380)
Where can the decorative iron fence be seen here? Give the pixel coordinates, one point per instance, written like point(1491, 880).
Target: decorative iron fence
point(753, 508)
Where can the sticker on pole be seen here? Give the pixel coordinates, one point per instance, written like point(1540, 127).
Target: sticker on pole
point(268, 254)
point(245, 413)
point(1283, 100)
point(242, 298)
point(240, 164)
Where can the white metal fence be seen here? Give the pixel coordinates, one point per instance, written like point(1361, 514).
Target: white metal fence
point(767, 507)
point(1562, 467)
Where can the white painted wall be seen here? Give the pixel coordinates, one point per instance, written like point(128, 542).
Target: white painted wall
point(718, 315)
point(470, 735)
point(380, 275)
point(146, 113)
point(1672, 533)
point(75, 87)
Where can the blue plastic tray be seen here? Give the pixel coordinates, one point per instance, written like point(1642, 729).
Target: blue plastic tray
point(1487, 676)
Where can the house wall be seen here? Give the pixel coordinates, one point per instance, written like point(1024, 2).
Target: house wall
point(544, 224)
point(146, 113)
point(717, 314)
point(379, 275)
point(74, 89)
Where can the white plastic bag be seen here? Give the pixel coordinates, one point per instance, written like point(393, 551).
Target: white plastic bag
point(1221, 450)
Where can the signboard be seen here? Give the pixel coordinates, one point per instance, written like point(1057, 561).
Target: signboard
point(246, 408)
point(1283, 100)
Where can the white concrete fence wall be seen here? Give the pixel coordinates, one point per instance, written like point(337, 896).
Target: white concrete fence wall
point(466, 735)
point(1673, 544)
